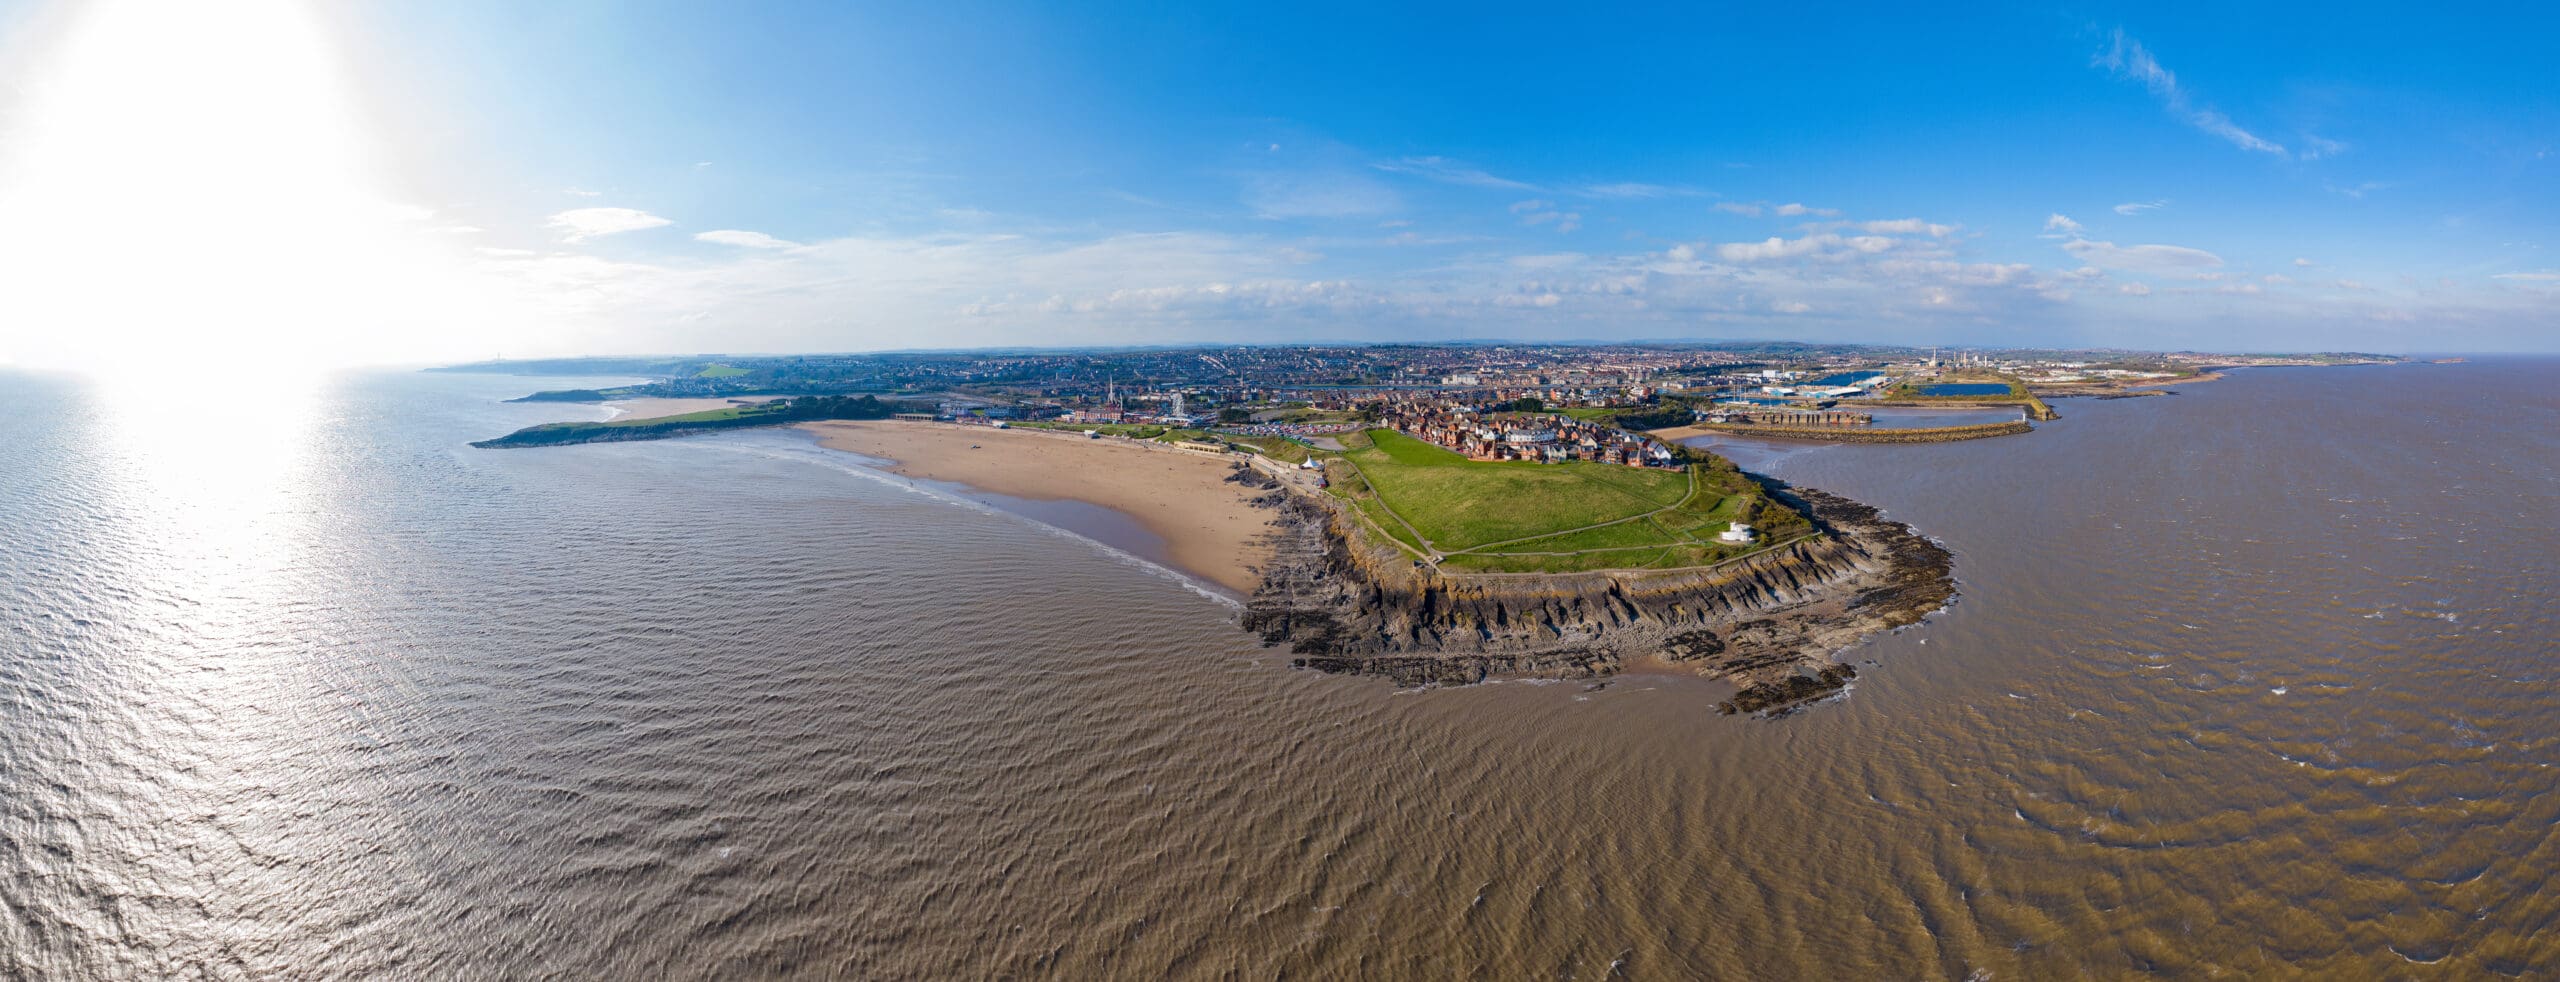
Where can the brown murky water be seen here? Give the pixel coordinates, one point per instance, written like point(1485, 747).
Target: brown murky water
point(2257, 679)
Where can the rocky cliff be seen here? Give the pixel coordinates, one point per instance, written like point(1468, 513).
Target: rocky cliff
point(1769, 622)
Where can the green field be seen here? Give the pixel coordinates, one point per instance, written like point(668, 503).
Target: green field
point(720, 371)
point(1513, 516)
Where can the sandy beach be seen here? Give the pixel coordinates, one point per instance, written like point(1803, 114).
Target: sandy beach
point(1210, 526)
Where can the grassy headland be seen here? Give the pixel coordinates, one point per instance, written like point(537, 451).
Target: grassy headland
point(1521, 517)
point(779, 413)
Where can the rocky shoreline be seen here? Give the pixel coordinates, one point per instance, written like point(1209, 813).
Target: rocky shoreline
point(1769, 623)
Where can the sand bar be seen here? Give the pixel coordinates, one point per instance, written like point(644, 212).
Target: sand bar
point(1210, 525)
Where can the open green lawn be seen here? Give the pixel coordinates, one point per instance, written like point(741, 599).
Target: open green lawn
point(1460, 503)
point(720, 371)
point(1506, 516)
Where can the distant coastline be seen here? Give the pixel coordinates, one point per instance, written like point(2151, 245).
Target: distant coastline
point(735, 417)
point(1545, 523)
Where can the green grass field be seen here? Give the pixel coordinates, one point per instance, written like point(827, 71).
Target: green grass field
point(1511, 516)
point(720, 371)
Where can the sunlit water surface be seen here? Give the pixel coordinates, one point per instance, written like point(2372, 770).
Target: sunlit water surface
point(2254, 679)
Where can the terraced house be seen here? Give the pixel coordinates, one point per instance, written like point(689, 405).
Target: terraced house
point(1527, 436)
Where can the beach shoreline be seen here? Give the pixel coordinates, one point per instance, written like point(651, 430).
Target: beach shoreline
point(1213, 528)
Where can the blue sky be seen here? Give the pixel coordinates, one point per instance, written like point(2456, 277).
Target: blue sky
point(823, 176)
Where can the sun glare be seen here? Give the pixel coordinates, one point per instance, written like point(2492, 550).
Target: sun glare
point(187, 189)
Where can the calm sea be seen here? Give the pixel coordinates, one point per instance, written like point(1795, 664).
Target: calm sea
point(2257, 679)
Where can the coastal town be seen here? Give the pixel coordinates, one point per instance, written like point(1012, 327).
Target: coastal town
point(1347, 495)
point(1552, 403)
point(1480, 435)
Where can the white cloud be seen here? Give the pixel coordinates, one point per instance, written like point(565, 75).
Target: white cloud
point(744, 239)
point(581, 192)
point(2131, 208)
point(2534, 277)
point(2129, 59)
point(1823, 246)
point(1539, 212)
point(2058, 222)
point(1450, 172)
point(2135, 289)
point(1791, 307)
point(1635, 190)
point(578, 224)
point(2303, 263)
point(1906, 226)
point(1739, 208)
point(1792, 209)
point(2315, 147)
point(2141, 258)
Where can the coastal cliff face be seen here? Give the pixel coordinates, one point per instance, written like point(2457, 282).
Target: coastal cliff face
point(1768, 622)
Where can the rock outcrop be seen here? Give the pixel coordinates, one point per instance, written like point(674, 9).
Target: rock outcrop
point(1769, 622)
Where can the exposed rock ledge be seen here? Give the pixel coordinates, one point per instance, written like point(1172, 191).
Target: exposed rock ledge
point(1770, 623)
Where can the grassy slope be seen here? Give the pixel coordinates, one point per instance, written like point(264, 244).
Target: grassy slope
point(1461, 504)
point(720, 371)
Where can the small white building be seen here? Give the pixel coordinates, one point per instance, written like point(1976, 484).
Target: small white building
point(1738, 534)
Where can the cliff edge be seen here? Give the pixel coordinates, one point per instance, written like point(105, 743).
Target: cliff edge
point(1769, 622)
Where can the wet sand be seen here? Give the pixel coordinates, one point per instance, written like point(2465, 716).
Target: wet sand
point(1210, 526)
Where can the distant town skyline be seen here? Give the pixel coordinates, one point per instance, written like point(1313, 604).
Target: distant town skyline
point(478, 178)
